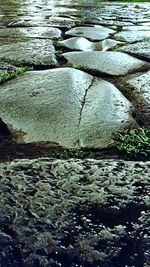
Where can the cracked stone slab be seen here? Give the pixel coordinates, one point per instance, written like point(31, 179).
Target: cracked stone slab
point(138, 86)
point(28, 52)
point(132, 36)
point(63, 107)
point(92, 33)
point(112, 63)
point(27, 32)
point(140, 49)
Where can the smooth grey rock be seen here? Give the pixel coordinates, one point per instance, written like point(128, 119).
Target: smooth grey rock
point(45, 105)
point(28, 52)
point(132, 36)
point(141, 49)
point(105, 112)
point(93, 33)
point(138, 87)
point(112, 63)
point(78, 43)
point(33, 32)
point(64, 107)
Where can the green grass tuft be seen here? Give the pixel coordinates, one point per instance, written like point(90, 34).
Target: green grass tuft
point(134, 142)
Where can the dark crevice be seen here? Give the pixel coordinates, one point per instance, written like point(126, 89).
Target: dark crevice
point(84, 100)
point(4, 131)
point(42, 67)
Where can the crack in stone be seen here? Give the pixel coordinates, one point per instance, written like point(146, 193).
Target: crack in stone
point(84, 100)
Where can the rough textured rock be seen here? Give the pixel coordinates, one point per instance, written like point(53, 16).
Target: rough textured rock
point(39, 106)
point(140, 49)
point(137, 87)
point(33, 32)
point(93, 33)
point(112, 63)
point(10, 248)
point(28, 52)
point(76, 212)
point(132, 36)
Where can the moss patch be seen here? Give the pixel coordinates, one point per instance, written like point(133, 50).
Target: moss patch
point(9, 74)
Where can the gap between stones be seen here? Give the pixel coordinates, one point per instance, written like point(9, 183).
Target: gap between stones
point(84, 100)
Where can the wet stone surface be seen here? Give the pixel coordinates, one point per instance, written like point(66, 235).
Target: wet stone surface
point(73, 213)
point(32, 32)
point(112, 63)
point(92, 33)
point(28, 52)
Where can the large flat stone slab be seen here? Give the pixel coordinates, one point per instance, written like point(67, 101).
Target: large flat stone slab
point(140, 49)
point(112, 63)
point(64, 107)
point(33, 32)
point(45, 105)
point(28, 52)
point(92, 33)
point(132, 36)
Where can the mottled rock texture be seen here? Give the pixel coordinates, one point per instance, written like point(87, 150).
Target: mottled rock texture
point(28, 52)
point(132, 36)
point(75, 213)
point(139, 49)
point(33, 32)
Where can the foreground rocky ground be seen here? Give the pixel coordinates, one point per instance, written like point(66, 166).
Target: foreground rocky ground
point(73, 76)
point(74, 213)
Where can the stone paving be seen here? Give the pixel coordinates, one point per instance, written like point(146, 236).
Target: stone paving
point(103, 42)
point(73, 74)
